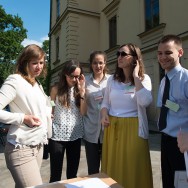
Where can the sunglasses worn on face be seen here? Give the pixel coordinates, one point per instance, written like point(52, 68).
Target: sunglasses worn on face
point(72, 76)
point(122, 54)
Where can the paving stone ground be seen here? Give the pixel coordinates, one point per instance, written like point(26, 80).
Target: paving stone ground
point(6, 180)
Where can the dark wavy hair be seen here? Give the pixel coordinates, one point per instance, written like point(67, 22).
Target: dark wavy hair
point(29, 53)
point(62, 86)
point(92, 56)
point(136, 53)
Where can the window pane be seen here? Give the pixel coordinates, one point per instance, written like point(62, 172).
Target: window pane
point(57, 48)
point(58, 8)
point(112, 32)
point(151, 13)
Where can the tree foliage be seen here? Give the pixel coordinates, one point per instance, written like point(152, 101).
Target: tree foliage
point(12, 33)
point(46, 81)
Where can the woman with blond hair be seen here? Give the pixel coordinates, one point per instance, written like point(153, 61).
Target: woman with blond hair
point(29, 116)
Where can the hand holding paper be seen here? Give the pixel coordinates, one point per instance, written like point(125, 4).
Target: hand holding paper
point(183, 145)
point(183, 141)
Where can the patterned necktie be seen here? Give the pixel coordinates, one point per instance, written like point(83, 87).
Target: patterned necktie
point(164, 109)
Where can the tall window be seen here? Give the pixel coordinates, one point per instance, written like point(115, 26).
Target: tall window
point(151, 13)
point(58, 8)
point(57, 48)
point(112, 32)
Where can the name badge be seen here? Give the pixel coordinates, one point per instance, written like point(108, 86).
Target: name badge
point(52, 103)
point(172, 105)
point(129, 89)
point(98, 95)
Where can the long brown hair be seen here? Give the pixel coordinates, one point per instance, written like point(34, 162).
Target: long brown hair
point(136, 53)
point(29, 53)
point(62, 86)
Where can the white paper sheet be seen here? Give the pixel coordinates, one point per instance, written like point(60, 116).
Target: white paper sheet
point(186, 161)
point(180, 180)
point(88, 183)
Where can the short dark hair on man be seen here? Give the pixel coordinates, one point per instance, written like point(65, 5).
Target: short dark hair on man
point(167, 38)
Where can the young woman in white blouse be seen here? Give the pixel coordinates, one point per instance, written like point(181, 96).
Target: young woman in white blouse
point(125, 155)
point(67, 128)
point(29, 116)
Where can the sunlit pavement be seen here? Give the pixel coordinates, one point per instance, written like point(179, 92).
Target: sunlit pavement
point(6, 180)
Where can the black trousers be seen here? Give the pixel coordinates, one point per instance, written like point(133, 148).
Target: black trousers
point(93, 156)
point(57, 149)
point(46, 151)
point(171, 160)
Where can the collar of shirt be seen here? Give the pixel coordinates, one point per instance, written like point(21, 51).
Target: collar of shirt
point(92, 78)
point(174, 71)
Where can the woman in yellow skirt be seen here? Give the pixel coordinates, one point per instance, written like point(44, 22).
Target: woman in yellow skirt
point(125, 153)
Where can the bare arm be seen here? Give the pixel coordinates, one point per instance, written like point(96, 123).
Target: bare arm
point(81, 87)
point(53, 94)
point(138, 82)
point(105, 117)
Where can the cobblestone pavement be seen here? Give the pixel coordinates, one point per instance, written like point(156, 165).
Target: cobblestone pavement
point(6, 180)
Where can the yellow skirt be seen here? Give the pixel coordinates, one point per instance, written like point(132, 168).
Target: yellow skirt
point(125, 155)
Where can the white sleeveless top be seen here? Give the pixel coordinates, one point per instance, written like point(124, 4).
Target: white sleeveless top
point(67, 123)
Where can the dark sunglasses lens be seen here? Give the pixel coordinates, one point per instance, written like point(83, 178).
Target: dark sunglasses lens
point(123, 54)
point(118, 54)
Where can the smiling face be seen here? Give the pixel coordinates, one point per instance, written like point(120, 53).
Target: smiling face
point(98, 64)
point(72, 79)
point(168, 55)
point(35, 67)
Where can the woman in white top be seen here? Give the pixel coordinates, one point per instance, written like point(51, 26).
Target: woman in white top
point(29, 116)
point(93, 132)
point(125, 155)
point(67, 128)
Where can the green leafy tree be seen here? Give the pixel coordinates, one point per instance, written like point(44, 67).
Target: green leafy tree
point(12, 33)
point(46, 81)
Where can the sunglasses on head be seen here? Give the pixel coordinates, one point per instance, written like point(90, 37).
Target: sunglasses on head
point(122, 54)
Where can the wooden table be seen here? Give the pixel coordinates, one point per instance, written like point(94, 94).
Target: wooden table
point(61, 184)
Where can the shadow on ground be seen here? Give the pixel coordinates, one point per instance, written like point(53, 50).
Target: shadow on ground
point(155, 140)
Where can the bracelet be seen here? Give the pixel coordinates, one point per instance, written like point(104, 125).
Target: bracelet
point(82, 98)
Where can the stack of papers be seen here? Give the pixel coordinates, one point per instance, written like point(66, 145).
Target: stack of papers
point(88, 183)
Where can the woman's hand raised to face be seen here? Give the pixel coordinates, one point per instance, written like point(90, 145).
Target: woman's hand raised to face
point(136, 69)
point(81, 84)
